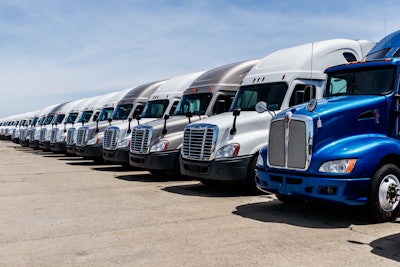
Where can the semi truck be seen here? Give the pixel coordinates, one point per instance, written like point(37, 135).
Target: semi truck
point(117, 138)
point(344, 148)
point(59, 118)
point(88, 115)
point(130, 104)
point(63, 121)
point(224, 148)
point(155, 146)
point(45, 117)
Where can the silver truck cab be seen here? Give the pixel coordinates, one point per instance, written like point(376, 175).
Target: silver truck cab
point(155, 145)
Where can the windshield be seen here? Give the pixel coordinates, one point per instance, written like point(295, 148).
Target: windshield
point(48, 120)
point(71, 118)
point(155, 109)
point(248, 96)
point(369, 81)
point(33, 122)
point(121, 112)
point(105, 114)
point(85, 116)
point(195, 103)
point(58, 119)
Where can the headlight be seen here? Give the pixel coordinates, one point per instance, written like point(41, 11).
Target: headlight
point(61, 137)
point(260, 161)
point(92, 141)
point(338, 166)
point(228, 151)
point(160, 146)
point(124, 143)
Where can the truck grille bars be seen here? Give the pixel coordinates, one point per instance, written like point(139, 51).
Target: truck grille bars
point(141, 137)
point(199, 141)
point(71, 136)
point(111, 138)
point(82, 136)
point(287, 149)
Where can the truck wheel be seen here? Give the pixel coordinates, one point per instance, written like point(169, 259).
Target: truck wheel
point(384, 195)
point(251, 182)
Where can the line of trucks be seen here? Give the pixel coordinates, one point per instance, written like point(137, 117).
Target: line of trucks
point(314, 122)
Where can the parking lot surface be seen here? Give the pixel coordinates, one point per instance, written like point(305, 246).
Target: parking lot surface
point(66, 211)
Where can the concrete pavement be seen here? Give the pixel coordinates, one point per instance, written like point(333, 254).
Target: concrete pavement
point(66, 211)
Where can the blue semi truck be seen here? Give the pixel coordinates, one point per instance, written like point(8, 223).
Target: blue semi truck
point(344, 148)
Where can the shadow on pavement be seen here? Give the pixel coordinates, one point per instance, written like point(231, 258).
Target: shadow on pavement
point(388, 247)
point(199, 189)
point(310, 215)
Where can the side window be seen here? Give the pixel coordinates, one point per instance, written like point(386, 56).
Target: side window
point(96, 116)
point(302, 93)
point(138, 110)
point(173, 107)
point(223, 103)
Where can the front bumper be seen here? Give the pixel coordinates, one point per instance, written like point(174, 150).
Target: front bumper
point(163, 161)
point(34, 144)
point(92, 151)
point(233, 169)
point(59, 147)
point(44, 145)
point(120, 156)
point(348, 191)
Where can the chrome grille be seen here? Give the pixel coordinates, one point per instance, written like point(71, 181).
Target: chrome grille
point(42, 135)
point(22, 134)
point(71, 136)
point(290, 142)
point(199, 141)
point(54, 135)
point(28, 133)
point(110, 140)
point(141, 137)
point(32, 134)
point(82, 136)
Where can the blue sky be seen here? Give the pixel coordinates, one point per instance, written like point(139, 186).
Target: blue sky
point(52, 51)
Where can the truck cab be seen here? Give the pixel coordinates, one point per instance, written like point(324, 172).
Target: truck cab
point(64, 119)
point(224, 148)
point(155, 146)
point(45, 117)
point(117, 138)
point(344, 148)
point(88, 115)
point(129, 104)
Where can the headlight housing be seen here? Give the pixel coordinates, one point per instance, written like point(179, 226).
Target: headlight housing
point(92, 141)
point(228, 151)
point(125, 143)
point(160, 146)
point(338, 166)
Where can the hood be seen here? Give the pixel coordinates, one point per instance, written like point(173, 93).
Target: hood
point(354, 114)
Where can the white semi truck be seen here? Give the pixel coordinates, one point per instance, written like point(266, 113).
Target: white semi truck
point(117, 138)
point(130, 104)
point(68, 116)
point(45, 117)
point(59, 116)
point(225, 147)
point(88, 115)
point(155, 145)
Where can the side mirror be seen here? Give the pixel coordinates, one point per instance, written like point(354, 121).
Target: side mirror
point(311, 105)
point(261, 107)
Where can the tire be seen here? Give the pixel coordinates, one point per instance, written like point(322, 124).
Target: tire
point(251, 182)
point(384, 194)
